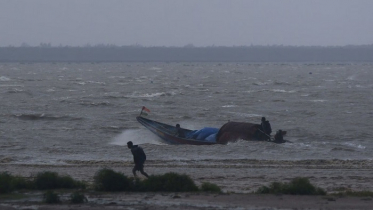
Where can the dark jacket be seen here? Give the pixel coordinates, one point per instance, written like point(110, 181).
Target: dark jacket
point(279, 137)
point(138, 153)
point(180, 133)
point(266, 127)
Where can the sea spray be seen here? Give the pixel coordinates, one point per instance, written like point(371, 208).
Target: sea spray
point(137, 136)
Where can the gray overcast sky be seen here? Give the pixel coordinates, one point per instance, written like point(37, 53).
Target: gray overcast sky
point(181, 22)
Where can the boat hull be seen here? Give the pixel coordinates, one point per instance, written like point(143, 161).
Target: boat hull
point(167, 132)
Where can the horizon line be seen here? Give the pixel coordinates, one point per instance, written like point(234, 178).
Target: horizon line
point(49, 45)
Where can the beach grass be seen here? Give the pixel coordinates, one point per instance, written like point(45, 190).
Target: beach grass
point(210, 187)
point(106, 180)
point(42, 181)
point(169, 182)
point(6, 182)
point(12, 196)
point(51, 180)
point(109, 180)
point(298, 186)
point(9, 183)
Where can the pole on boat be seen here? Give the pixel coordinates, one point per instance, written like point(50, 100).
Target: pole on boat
point(270, 138)
point(142, 109)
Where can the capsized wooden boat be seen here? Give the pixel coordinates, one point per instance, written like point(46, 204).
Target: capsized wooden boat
point(167, 132)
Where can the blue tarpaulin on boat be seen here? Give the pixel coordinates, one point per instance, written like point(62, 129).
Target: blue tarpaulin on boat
point(207, 133)
point(211, 138)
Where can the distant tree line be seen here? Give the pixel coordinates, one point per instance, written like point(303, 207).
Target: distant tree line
point(136, 53)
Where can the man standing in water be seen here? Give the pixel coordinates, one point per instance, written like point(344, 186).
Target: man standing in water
point(139, 158)
point(179, 131)
point(266, 127)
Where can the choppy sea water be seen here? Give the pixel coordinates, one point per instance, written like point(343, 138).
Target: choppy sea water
point(58, 113)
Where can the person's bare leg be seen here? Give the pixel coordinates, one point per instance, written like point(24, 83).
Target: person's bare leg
point(134, 171)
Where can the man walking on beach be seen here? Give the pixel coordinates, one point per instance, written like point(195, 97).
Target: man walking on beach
point(139, 158)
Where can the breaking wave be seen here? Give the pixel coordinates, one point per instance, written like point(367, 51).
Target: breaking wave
point(4, 79)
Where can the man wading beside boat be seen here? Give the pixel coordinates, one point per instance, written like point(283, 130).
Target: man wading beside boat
point(139, 158)
point(266, 128)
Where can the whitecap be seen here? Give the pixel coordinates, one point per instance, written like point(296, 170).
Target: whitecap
point(304, 145)
point(4, 79)
point(282, 91)
point(136, 136)
point(96, 82)
point(117, 77)
point(320, 100)
point(227, 106)
point(15, 90)
point(252, 115)
point(352, 77)
point(259, 83)
point(359, 146)
point(148, 95)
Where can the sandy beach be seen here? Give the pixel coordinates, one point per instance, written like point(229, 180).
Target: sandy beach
point(237, 178)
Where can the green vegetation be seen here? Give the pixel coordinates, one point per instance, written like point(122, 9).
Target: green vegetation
point(77, 197)
point(5, 182)
point(19, 183)
point(9, 183)
point(12, 196)
point(298, 186)
point(51, 180)
point(105, 180)
point(43, 181)
point(109, 180)
point(210, 187)
point(51, 197)
point(169, 182)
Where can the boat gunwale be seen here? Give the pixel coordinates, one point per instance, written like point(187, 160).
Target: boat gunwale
point(169, 138)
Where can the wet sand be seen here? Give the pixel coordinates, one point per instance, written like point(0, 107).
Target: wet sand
point(202, 201)
point(237, 178)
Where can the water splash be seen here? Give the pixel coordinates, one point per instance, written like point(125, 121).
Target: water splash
point(137, 137)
